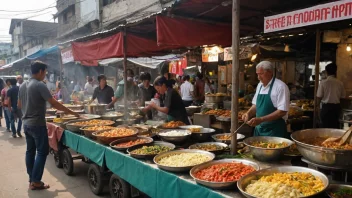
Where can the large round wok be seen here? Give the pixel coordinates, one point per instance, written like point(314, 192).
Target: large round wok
point(322, 155)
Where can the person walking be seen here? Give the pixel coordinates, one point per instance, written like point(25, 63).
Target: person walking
point(4, 102)
point(14, 113)
point(33, 96)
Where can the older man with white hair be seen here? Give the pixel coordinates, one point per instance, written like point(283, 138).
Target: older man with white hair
point(271, 103)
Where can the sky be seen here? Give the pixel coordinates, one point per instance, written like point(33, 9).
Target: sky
point(39, 10)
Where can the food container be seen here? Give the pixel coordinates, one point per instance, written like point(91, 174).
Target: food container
point(214, 99)
point(129, 122)
point(74, 128)
point(74, 107)
point(240, 137)
point(184, 168)
point(220, 185)
point(246, 180)
point(151, 156)
point(88, 133)
point(322, 155)
point(267, 154)
point(175, 139)
point(336, 187)
point(98, 109)
point(111, 116)
point(114, 143)
point(216, 152)
point(193, 109)
point(203, 136)
point(108, 140)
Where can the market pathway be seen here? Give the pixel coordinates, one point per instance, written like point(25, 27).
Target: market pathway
point(13, 182)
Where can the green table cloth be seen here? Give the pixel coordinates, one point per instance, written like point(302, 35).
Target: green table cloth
point(152, 181)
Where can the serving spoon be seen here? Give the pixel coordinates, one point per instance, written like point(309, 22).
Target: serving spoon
point(340, 140)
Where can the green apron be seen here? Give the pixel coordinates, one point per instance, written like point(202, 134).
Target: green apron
point(264, 106)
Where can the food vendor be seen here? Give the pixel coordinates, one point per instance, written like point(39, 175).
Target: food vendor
point(271, 103)
point(173, 105)
point(103, 92)
point(330, 91)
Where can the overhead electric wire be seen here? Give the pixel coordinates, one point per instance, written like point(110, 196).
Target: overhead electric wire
point(30, 11)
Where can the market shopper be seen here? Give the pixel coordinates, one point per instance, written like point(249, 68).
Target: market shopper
point(14, 113)
point(89, 87)
point(146, 92)
point(19, 80)
point(33, 95)
point(5, 103)
point(270, 104)
point(330, 91)
point(173, 105)
point(103, 93)
point(187, 91)
point(199, 88)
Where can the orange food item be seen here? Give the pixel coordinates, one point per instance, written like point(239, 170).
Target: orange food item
point(98, 128)
point(93, 122)
point(118, 132)
point(173, 124)
point(227, 172)
point(217, 112)
point(132, 143)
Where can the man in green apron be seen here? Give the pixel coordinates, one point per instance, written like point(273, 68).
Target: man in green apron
point(270, 104)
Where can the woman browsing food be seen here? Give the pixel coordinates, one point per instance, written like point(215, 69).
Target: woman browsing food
point(173, 105)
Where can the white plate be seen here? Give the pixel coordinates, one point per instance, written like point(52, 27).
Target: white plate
point(190, 126)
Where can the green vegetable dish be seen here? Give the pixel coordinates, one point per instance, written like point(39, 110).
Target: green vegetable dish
point(151, 150)
point(341, 193)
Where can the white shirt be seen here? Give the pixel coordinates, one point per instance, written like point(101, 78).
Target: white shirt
point(331, 90)
point(186, 89)
point(89, 88)
point(280, 95)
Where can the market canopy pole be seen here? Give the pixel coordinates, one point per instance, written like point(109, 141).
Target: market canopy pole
point(235, 72)
point(125, 72)
point(317, 73)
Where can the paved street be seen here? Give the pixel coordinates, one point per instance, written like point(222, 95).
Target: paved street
point(13, 182)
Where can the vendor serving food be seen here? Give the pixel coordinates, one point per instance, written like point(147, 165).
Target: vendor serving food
point(271, 103)
point(173, 107)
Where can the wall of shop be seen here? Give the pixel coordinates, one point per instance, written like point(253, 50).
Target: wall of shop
point(344, 61)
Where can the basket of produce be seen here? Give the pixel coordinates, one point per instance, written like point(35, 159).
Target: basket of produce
point(126, 143)
point(89, 130)
point(172, 125)
point(339, 191)
point(214, 147)
point(108, 136)
point(182, 160)
point(151, 150)
point(176, 136)
point(266, 148)
point(226, 137)
point(201, 135)
point(283, 181)
point(309, 144)
point(222, 174)
point(75, 126)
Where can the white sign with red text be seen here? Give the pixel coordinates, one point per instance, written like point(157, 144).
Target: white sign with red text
point(66, 56)
point(335, 11)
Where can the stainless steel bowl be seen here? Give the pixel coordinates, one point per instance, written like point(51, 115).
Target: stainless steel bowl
point(98, 109)
point(111, 116)
point(222, 147)
point(151, 156)
point(175, 139)
point(267, 154)
point(336, 187)
point(193, 109)
point(183, 168)
point(240, 137)
point(246, 180)
point(74, 128)
point(215, 99)
point(220, 185)
point(129, 122)
point(204, 135)
point(322, 155)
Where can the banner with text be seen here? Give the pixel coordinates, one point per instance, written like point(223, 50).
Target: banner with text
point(324, 13)
point(66, 55)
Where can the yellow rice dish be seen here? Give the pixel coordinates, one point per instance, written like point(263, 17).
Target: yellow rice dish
point(306, 183)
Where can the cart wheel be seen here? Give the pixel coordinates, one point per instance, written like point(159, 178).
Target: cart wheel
point(67, 162)
point(95, 179)
point(119, 188)
point(58, 159)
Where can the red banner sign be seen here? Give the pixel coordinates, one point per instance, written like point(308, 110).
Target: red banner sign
point(324, 13)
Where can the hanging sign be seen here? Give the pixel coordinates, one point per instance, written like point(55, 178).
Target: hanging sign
point(210, 54)
point(324, 13)
point(66, 55)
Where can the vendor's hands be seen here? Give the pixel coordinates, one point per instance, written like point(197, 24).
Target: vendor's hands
point(255, 121)
point(245, 117)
